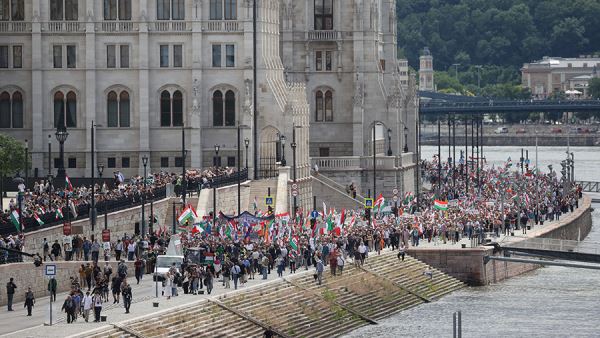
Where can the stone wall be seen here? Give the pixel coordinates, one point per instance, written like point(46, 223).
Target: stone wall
point(27, 275)
point(226, 199)
point(119, 223)
point(469, 266)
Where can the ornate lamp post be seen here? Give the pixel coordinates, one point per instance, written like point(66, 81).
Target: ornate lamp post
point(61, 136)
point(405, 140)
point(246, 143)
point(282, 139)
point(389, 134)
point(100, 168)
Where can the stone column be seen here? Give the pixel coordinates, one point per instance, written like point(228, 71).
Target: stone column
point(90, 85)
point(143, 90)
point(38, 121)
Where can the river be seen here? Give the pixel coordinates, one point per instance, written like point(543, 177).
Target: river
point(548, 302)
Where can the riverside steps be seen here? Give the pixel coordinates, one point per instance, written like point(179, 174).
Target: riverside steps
point(296, 306)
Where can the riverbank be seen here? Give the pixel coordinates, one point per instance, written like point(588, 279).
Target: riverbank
point(470, 266)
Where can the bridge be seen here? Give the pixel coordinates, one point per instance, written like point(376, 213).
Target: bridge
point(438, 103)
point(588, 186)
point(545, 249)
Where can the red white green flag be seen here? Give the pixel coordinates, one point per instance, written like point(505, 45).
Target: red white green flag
point(68, 184)
point(37, 218)
point(14, 217)
point(59, 214)
point(294, 243)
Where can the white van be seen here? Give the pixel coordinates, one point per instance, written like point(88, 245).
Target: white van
point(501, 130)
point(165, 262)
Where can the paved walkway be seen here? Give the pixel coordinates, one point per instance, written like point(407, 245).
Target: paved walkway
point(17, 324)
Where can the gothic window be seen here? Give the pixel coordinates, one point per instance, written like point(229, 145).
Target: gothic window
point(5, 113)
point(230, 108)
point(17, 110)
point(223, 9)
point(171, 109)
point(324, 106)
point(64, 10)
point(323, 14)
point(12, 10)
point(65, 111)
point(170, 9)
point(217, 108)
point(118, 108)
point(323, 60)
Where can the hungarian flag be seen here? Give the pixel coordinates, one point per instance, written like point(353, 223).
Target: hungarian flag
point(14, 217)
point(352, 221)
point(188, 214)
point(379, 202)
point(68, 184)
point(40, 210)
point(38, 219)
point(440, 205)
point(294, 243)
point(196, 229)
point(59, 214)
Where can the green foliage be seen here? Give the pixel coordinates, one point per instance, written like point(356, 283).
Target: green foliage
point(594, 88)
point(497, 32)
point(12, 156)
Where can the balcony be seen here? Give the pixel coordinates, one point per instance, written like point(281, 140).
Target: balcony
point(169, 26)
point(15, 27)
point(116, 26)
point(324, 35)
point(222, 26)
point(63, 27)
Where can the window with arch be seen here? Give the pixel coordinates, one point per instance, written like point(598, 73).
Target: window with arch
point(118, 109)
point(171, 109)
point(65, 109)
point(323, 14)
point(114, 9)
point(11, 110)
point(324, 106)
point(64, 10)
point(223, 9)
point(12, 10)
point(223, 108)
point(170, 9)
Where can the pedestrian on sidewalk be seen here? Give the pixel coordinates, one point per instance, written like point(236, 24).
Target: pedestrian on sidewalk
point(10, 293)
point(235, 273)
point(401, 252)
point(29, 301)
point(127, 295)
point(52, 288)
point(97, 301)
point(319, 268)
point(69, 308)
point(87, 305)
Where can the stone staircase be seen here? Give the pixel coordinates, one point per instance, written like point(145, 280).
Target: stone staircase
point(114, 332)
point(410, 276)
point(294, 311)
point(259, 190)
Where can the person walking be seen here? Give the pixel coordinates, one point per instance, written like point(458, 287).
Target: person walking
point(29, 301)
point(235, 273)
point(69, 308)
point(139, 269)
point(127, 295)
point(87, 305)
point(97, 301)
point(10, 293)
point(319, 269)
point(168, 285)
point(52, 289)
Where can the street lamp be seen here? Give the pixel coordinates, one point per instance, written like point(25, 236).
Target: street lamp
point(100, 168)
point(215, 185)
point(93, 157)
point(405, 139)
point(294, 145)
point(246, 143)
point(49, 156)
point(184, 179)
point(239, 160)
point(145, 163)
point(282, 139)
point(61, 136)
point(389, 132)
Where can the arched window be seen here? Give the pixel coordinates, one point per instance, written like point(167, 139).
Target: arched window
point(177, 109)
point(71, 110)
point(329, 106)
point(5, 110)
point(124, 110)
point(112, 109)
point(59, 109)
point(230, 10)
point(171, 109)
point(319, 106)
point(217, 108)
point(323, 14)
point(17, 110)
point(230, 108)
point(165, 109)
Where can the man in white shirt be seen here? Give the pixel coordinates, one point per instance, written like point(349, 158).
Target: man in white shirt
point(87, 305)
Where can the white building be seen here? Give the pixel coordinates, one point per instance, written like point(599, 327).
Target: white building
point(141, 70)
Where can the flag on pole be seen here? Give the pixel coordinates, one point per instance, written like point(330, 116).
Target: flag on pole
point(196, 229)
point(188, 214)
point(379, 202)
point(14, 217)
point(59, 214)
point(440, 205)
point(324, 209)
point(68, 184)
point(294, 243)
point(37, 218)
point(72, 208)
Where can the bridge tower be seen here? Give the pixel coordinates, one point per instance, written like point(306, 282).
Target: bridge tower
point(426, 71)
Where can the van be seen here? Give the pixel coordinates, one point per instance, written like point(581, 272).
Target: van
point(501, 130)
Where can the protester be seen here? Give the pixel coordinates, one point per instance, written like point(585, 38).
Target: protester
point(10, 293)
point(29, 301)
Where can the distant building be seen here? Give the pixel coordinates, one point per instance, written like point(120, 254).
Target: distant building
point(556, 74)
point(426, 71)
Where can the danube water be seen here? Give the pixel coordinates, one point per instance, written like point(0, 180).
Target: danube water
point(548, 302)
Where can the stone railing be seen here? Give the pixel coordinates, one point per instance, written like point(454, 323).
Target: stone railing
point(222, 26)
point(363, 162)
point(169, 26)
point(116, 26)
point(15, 27)
point(328, 35)
point(63, 27)
point(336, 163)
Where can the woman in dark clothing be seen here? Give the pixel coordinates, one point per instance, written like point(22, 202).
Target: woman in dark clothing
point(29, 301)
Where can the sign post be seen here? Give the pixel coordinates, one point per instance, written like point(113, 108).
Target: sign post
point(50, 272)
point(369, 203)
point(269, 201)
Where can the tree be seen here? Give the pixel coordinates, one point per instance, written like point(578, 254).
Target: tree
point(12, 156)
point(594, 88)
